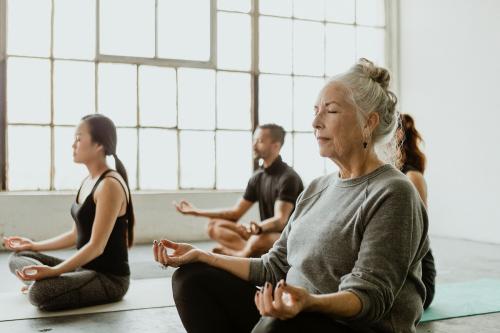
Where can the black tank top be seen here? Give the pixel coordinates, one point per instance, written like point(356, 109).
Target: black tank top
point(114, 259)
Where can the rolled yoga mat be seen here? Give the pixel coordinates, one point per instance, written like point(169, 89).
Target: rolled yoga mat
point(463, 299)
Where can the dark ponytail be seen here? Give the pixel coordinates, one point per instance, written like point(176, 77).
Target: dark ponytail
point(411, 154)
point(120, 168)
point(103, 131)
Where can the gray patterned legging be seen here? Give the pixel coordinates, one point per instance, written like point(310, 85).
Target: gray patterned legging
point(76, 289)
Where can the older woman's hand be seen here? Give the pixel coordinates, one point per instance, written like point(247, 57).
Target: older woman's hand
point(287, 303)
point(183, 253)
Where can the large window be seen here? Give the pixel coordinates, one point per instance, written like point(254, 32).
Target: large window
point(185, 81)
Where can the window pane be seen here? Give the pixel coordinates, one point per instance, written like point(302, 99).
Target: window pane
point(235, 5)
point(275, 45)
point(157, 96)
point(305, 93)
point(127, 153)
point(28, 90)
point(287, 149)
point(28, 27)
point(370, 12)
point(275, 100)
point(74, 91)
point(234, 159)
point(196, 98)
point(309, 9)
point(74, 29)
point(127, 27)
point(67, 174)
point(233, 100)
point(371, 44)
point(276, 7)
point(233, 41)
point(197, 159)
point(340, 48)
point(307, 161)
point(341, 11)
point(28, 158)
point(184, 33)
point(308, 48)
point(158, 158)
point(118, 93)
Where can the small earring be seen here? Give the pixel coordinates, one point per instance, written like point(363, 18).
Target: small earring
point(365, 144)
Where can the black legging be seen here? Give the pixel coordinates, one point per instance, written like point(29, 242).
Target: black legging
point(76, 289)
point(209, 300)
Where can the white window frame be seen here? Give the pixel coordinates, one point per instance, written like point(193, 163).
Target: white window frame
point(391, 52)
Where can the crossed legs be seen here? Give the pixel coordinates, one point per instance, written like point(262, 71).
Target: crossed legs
point(235, 241)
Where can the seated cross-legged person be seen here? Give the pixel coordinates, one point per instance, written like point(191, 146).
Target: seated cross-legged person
point(412, 163)
point(98, 272)
point(275, 186)
point(349, 259)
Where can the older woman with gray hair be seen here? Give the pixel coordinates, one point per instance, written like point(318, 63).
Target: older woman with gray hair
point(350, 257)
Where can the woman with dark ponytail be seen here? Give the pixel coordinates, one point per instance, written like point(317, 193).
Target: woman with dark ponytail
point(103, 231)
point(412, 163)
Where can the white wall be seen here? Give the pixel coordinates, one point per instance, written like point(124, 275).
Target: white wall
point(450, 81)
point(40, 215)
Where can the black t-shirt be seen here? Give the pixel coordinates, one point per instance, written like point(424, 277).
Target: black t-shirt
point(276, 182)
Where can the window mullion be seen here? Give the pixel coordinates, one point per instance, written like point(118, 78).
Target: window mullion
point(3, 96)
point(52, 129)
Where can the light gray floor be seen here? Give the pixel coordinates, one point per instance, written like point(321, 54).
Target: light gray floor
point(457, 260)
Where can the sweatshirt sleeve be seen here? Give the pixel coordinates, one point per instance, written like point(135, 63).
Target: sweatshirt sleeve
point(273, 266)
point(394, 224)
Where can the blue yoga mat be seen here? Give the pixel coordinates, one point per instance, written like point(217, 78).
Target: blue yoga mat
point(463, 299)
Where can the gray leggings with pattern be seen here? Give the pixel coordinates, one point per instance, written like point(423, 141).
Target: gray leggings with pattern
point(76, 289)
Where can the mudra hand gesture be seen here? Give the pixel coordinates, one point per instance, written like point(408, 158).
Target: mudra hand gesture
point(184, 207)
point(288, 301)
point(182, 253)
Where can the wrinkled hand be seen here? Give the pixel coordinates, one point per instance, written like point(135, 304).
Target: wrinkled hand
point(185, 207)
point(182, 253)
point(287, 303)
point(15, 243)
point(36, 272)
point(255, 228)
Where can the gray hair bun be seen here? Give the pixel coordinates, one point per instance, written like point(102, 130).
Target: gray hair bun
point(377, 74)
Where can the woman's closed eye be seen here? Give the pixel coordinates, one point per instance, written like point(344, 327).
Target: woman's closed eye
point(328, 109)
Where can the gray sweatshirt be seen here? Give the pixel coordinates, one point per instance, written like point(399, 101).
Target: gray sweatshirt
point(366, 235)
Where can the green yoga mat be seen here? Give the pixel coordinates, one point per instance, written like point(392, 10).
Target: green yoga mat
point(463, 299)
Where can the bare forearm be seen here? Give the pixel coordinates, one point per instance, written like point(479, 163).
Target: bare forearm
point(342, 304)
point(86, 254)
point(273, 224)
point(239, 267)
point(62, 241)
point(277, 223)
point(229, 214)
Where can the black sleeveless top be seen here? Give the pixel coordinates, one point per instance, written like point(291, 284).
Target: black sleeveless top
point(114, 259)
